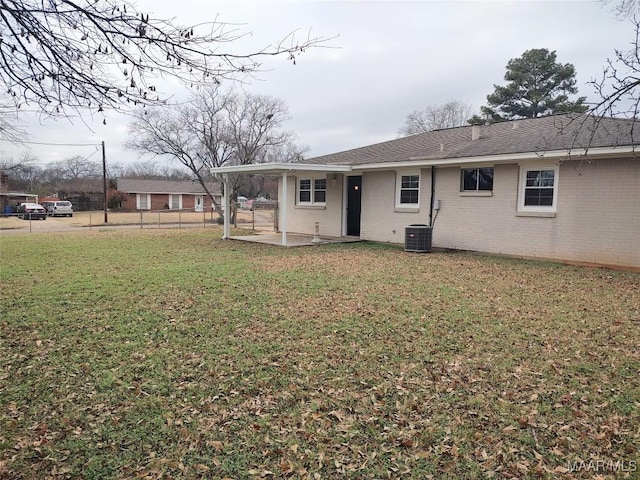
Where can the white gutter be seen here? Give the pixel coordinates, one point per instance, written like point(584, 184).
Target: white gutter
point(278, 168)
point(173, 193)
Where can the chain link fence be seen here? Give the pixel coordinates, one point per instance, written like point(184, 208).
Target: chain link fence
point(263, 218)
point(259, 217)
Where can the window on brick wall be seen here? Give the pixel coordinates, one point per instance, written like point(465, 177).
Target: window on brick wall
point(476, 179)
point(320, 190)
point(175, 201)
point(408, 189)
point(143, 201)
point(538, 188)
point(312, 191)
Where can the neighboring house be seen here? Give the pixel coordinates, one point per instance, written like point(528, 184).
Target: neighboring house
point(559, 188)
point(9, 200)
point(165, 194)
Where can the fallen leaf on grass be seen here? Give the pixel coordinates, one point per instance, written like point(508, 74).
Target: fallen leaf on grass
point(215, 444)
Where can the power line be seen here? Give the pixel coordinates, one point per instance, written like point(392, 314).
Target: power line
point(88, 157)
point(38, 162)
point(25, 142)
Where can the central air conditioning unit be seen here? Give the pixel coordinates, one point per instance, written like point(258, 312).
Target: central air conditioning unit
point(417, 238)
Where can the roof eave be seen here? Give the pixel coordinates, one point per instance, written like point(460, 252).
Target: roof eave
point(165, 192)
point(598, 152)
point(278, 168)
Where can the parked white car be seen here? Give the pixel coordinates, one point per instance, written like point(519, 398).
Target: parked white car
point(242, 202)
point(61, 208)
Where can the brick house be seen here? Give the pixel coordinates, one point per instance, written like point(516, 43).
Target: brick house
point(166, 194)
point(9, 199)
point(562, 187)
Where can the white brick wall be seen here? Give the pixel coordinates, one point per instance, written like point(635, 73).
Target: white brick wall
point(302, 218)
point(597, 218)
point(380, 219)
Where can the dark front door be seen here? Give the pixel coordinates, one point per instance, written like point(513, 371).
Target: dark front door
point(354, 201)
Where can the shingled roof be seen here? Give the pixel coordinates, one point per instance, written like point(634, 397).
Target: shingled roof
point(134, 185)
point(535, 135)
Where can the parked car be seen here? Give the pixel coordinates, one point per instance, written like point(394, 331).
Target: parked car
point(262, 202)
point(61, 208)
point(31, 211)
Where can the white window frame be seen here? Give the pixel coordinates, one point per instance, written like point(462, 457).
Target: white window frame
point(407, 173)
point(524, 168)
point(171, 205)
point(312, 180)
point(138, 203)
point(315, 189)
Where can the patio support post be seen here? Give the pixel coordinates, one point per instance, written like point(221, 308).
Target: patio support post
point(225, 203)
point(283, 209)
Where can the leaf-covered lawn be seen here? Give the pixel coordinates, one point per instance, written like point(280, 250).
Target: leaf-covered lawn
point(173, 354)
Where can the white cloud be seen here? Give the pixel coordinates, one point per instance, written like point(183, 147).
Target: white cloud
point(393, 57)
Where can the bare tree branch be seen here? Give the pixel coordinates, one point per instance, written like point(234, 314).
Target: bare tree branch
point(623, 9)
point(217, 128)
point(21, 174)
point(10, 124)
point(77, 167)
point(436, 117)
point(618, 90)
point(618, 87)
point(98, 54)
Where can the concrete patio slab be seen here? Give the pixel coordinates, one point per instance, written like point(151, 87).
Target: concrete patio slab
point(293, 239)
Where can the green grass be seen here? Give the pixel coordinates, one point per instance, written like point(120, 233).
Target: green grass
point(173, 354)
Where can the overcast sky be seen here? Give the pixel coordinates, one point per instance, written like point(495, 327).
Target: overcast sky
point(390, 58)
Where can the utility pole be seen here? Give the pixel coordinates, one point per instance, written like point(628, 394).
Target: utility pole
point(104, 181)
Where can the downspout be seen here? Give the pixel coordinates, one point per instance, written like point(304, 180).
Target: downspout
point(433, 194)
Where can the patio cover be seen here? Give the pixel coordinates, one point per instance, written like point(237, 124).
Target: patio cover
point(274, 169)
